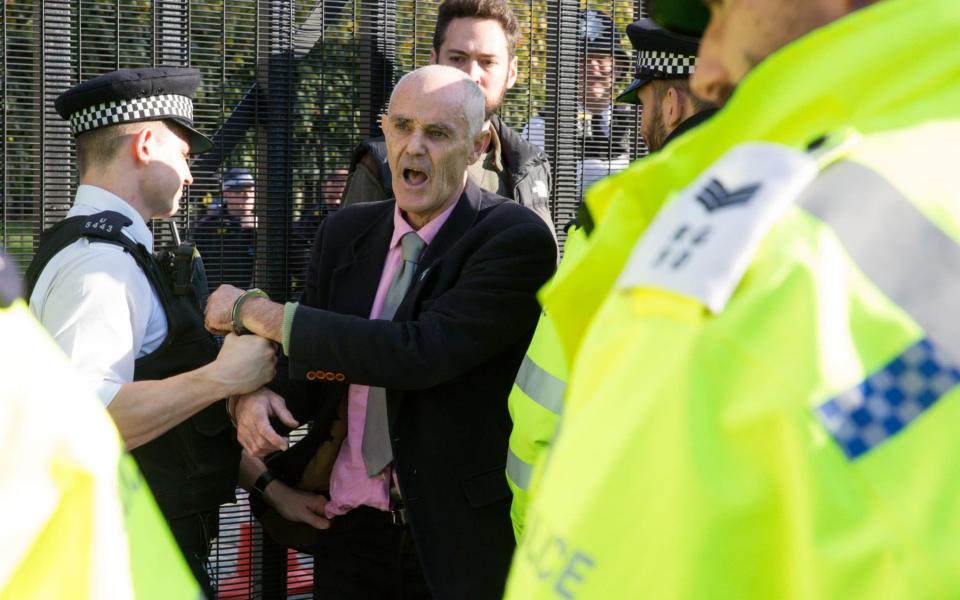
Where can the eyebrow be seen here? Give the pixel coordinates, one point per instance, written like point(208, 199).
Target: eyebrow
point(403, 120)
point(441, 127)
point(465, 53)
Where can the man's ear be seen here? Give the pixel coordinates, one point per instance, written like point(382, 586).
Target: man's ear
point(143, 145)
point(383, 123)
point(480, 143)
point(672, 107)
point(512, 76)
point(433, 56)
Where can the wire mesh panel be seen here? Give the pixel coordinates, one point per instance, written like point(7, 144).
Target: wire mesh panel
point(290, 88)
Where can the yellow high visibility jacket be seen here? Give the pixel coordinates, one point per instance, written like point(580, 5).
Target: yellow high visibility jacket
point(78, 520)
point(763, 399)
point(536, 400)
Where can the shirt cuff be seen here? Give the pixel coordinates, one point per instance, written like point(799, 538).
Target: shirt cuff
point(289, 310)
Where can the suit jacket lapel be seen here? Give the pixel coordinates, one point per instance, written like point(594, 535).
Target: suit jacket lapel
point(354, 283)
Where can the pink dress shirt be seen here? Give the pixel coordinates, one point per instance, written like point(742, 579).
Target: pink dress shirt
point(349, 485)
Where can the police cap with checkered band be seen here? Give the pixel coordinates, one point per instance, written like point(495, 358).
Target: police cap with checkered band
point(660, 55)
point(131, 95)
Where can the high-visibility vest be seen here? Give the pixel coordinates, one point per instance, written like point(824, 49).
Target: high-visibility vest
point(783, 426)
point(536, 400)
point(78, 520)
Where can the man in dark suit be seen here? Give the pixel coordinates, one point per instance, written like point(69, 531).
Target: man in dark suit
point(413, 469)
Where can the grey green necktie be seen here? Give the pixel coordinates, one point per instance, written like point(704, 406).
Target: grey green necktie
point(376, 434)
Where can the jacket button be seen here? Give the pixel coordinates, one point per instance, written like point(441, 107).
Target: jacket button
point(396, 438)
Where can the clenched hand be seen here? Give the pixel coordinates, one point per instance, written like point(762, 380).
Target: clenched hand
point(245, 363)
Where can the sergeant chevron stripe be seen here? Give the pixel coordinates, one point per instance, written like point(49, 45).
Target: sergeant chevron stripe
point(714, 196)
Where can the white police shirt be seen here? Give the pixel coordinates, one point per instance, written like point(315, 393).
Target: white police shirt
point(97, 303)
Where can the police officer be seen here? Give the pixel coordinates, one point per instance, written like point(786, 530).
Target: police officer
point(227, 238)
point(665, 61)
point(87, 526)
point(603, 128)
point(130, 320)
point(764, 396)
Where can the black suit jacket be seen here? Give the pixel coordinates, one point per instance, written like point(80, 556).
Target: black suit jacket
point(447, 360)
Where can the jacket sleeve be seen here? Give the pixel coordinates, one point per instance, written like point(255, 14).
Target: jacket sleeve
point(491, 305)
point(301, 396)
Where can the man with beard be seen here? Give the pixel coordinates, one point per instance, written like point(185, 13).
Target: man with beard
point(764, 396)
point(478, 37)
point(402, 351)
point(665, 61)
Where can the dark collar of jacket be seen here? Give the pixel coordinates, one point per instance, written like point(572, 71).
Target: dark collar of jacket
point(689, 124)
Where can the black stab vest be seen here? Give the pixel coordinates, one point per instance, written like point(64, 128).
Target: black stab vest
point(192, 468)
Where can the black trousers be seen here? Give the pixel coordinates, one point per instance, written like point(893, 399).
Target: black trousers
point(364, 555)
point(194, 534)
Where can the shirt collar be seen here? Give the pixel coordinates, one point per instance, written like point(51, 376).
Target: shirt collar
point(427, 232)
point(91, 199)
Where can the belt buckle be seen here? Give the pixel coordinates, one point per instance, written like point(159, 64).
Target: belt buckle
point(398, 517)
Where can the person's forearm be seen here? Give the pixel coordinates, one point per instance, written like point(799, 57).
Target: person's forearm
point(145, 410)
point(264, 318)
point(251, 468)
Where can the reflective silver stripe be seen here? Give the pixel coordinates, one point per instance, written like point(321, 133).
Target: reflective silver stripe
point(518, 471)
point(545, 389)
point(907, 256)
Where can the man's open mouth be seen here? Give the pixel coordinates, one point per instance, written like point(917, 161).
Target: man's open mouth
point(413, 177)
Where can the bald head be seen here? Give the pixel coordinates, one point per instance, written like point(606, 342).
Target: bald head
point(439, 83)
point(434, 132)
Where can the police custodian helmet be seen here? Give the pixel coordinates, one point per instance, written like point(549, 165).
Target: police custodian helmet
point(131, 95)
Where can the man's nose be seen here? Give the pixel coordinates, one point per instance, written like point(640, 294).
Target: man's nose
point(710, 80)
point(189, 177)
point(415, 143)
point(475, 71)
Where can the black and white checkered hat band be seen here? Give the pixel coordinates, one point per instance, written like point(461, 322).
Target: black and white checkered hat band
point(665, 63)
point(125, 111)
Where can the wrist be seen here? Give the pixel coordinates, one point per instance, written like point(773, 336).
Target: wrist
point(236, 313)
point(259, 487)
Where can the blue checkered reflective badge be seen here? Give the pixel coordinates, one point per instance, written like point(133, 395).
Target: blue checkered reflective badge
point(887, 401)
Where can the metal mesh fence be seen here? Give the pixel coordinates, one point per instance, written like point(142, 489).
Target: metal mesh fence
point(290, 88)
